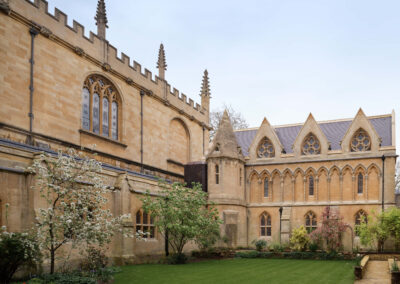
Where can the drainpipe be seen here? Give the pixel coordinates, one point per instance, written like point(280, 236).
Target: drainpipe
point(383, 182)
point(33, 32)
point(141, 130)
point(203, 139)
point(280, 224)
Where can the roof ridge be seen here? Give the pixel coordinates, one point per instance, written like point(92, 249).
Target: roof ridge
point(319, 122)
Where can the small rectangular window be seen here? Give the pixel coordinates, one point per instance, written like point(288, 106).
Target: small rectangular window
point(216, 174)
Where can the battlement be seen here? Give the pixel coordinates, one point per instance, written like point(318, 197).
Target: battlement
point(55, 27)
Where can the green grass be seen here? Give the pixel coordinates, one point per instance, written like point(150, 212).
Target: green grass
point(241, 271)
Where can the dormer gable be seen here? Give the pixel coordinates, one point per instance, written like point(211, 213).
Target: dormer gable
point(311, 140)
point(225, 143)
point(265, 141)
point(362, 134)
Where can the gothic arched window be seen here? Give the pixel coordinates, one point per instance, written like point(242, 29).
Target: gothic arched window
point(265, 149)
point(311, 145)
point(265, 224)
point(360, 141)
point(100, 107)
point(145, 223)
point(310, 185)
point(360, 217)
point(311, 221)
point(266, 187)
point(360, 183)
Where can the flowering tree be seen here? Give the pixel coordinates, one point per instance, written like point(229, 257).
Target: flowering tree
point(330, 231)
point(185, 214)
point(75, 196)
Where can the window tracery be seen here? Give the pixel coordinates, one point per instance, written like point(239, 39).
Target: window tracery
point(265, 225)
point(311, 145)
point(311, 221)
point(265, 149)
point(100, 107)
point(360, 141)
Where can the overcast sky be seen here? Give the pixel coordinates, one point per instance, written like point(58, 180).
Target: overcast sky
point(280, 59)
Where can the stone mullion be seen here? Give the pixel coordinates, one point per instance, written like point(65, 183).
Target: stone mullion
point(353, 186)
point(304, 188)
point(109, 115)
point(366, 186)
point(316, 188)
point(282, 189)
point(91, 90)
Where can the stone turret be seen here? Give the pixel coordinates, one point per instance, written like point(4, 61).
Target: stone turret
point(205, 94)
point(226, 182)
point(101, 19)
point(161, 63)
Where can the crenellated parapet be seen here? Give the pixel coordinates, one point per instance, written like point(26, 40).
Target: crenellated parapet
point(100, 52)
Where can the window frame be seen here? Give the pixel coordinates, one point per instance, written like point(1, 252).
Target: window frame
point(266, 228)
point(354, 148)
point(360, 183)
point(98, 85)
point(266, 187)
point(357, 220)
point(311, 185)
point(313, 224)
point(216, 168)
point(316, 150)
point(261, 155)
point(145, 227)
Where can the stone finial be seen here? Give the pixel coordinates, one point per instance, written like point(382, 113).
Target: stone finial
point(161, 63)
point(205, 85)
point(101, 19)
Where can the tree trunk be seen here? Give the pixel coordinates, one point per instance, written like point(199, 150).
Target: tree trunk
point(52, 260)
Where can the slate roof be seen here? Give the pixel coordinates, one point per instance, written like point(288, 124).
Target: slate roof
point(334, 132)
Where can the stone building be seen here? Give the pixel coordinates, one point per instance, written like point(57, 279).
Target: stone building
point(61, 89)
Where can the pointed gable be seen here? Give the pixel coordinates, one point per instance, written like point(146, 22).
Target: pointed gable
point(268, 132)
point(309, 128)
point(361, 122)
point(225, 143)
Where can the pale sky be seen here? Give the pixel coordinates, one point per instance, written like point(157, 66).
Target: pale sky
point(280, 59)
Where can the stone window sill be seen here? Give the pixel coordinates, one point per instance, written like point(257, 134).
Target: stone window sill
point(83, 131)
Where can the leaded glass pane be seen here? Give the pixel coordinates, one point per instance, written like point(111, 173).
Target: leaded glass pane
point(105, 117)
point(268, 231)
point(152, 230)
point(114, 120)
point(269, 220)
point(96, 113)
point(138, 217)
point(262, 220)
point(262, 231)
point(85, 109)
point(311, 185)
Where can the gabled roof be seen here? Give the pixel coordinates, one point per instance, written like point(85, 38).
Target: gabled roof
point(333, 130)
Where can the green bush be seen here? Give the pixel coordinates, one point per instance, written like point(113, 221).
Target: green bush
point(299, 239)
point(16, 250)
point(293, 255)
point(260, 244)
point(177, 258)
point(95, 259)
point(277, 247)
point(313, 247)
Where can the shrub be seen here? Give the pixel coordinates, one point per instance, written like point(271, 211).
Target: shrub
point(299, 239)
point(395, 267)
point(177, 258)
point(95, 259)
point(313, 246)
point(260, 244)
point(277, 247)
point(16, 250)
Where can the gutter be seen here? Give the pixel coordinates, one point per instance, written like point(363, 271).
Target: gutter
point(33, 32)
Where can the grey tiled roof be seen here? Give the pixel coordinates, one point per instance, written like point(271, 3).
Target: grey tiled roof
point(334, 132)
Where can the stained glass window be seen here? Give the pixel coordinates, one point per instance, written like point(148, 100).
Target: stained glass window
point(85, 109)
point(96, 113)
point(99, 91)
point(114, 121)
point(105, 117)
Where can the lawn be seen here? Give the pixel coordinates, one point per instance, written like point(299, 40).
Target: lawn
point(241, 271)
